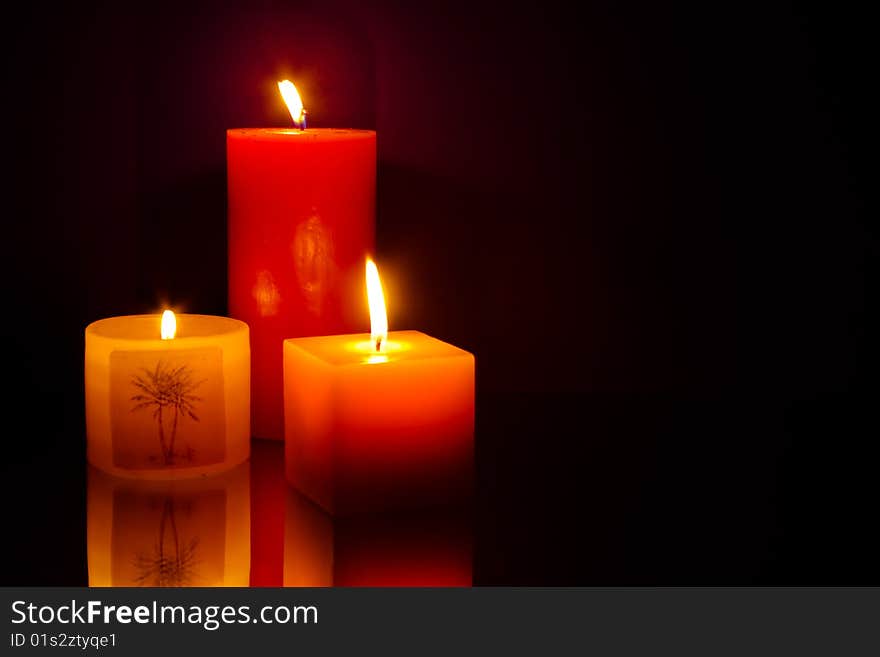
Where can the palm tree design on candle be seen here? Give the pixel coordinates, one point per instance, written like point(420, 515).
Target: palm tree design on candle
point(168, 391)
point(171, 562)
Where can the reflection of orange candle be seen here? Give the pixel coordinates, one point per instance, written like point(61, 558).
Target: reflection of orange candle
point(378, 421)
point(421, 548)
point(167, 397)
point(301, 220)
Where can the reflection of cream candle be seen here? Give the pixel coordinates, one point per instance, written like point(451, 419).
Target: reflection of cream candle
point(192, 532)
point(167, 397)
point(378, 421)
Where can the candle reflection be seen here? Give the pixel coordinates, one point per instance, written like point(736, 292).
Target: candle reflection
point(266, 294)
point(193, 532)
point(313, 263)
point(425, 548)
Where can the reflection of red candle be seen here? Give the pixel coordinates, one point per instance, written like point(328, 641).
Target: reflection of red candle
point(301, 219)
point(267, 512)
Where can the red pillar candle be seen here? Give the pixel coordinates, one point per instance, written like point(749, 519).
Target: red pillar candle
point(301, 219)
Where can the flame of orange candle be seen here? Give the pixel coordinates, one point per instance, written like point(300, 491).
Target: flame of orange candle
point(378, 315)
point(169, 325)
point(293, 101)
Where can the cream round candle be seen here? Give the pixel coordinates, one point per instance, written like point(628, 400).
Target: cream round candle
point(167, 396)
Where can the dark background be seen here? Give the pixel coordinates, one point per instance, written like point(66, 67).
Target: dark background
point(647, 220)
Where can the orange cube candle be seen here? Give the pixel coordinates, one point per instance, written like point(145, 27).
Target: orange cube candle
point(380, 420)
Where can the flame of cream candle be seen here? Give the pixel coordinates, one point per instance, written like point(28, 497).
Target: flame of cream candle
point(162, 401)
point(376, 300)
point(169, 325)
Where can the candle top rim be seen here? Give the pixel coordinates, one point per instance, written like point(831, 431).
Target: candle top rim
point(352, 349)
point(146, 328)
point(291, 134)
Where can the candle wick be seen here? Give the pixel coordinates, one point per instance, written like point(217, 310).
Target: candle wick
point(379, 343)
point(302, 119)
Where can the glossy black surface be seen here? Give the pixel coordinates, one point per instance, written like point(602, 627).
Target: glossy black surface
point(612, 490)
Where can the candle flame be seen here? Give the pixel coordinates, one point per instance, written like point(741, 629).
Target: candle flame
point(376, 299)
point(169, 325)
point(293, 101)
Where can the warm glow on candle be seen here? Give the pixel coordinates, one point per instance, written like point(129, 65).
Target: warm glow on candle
point(378, 316)
point(293, 101)
point(169, 325)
